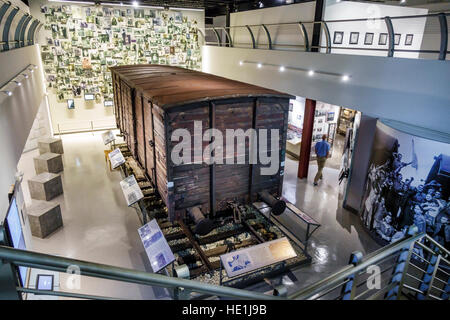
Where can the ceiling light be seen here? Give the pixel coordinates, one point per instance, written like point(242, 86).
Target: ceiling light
point(135, 4)
point(25, 75)
point(18, 83)
point(345, 77)
point(31, 70)
point(241, 63)
point(282, 69)
point(259, 65)
point(35, 66)
point(7, 92)
point(310, 73)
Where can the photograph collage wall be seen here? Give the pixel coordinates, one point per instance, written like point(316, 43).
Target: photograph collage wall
point(82, 42)
point(408, 183)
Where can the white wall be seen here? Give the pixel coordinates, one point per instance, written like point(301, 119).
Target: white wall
point(17, 112)
point(356, 10)
point(281, 35)
point(408, 90)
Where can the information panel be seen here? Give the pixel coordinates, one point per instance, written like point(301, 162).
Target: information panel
point(108, 137)
point(116, 158)
point(131, 190)
point(249, 259)
point(156, 246)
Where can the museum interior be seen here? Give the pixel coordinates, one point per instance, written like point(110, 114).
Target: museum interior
point(232, 149)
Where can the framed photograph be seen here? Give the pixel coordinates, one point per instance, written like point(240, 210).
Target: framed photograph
point(409, 39)
point(330, 116)
point(338, 37)
point(89, 96)
point(382, 40)
point(70, 104)
point(368, 39)
point(44, 282)
point(397, 38)
point(354, 37)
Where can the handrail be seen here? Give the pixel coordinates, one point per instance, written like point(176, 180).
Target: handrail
point(391, 47)
point(319, 289)
point(348, 270)
point(51, 262)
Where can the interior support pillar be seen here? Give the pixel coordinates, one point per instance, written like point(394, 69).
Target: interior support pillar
point(318, 16)
point(305, 148)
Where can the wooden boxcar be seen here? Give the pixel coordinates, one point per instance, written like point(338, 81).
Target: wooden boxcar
point(151, 101)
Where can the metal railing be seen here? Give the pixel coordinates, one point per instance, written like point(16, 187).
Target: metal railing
point(390, 47)
point(18, 37)
point(69, 127)
point(416, 267)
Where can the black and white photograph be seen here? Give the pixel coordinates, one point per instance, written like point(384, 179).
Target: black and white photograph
point(368, 39)
point(397, 38)
point(409, 39)
point(338, 37)
point(408, 183)
point(382, 40)
point(354, 37)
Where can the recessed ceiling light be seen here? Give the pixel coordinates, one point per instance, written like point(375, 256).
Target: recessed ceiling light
point(18, 83)
point(8, 93)
point(310, 73)
point(345, 78)
point(241, 63)
point(259, 65)
point(282, 68)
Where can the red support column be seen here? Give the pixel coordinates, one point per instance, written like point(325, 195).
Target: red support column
point(305, 148)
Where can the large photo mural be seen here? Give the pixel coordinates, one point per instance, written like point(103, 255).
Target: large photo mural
point(408, 183)
point(83, 41)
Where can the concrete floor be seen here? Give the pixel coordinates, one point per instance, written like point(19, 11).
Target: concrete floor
point(99, 227)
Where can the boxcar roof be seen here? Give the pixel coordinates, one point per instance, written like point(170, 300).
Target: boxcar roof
point(173, 86)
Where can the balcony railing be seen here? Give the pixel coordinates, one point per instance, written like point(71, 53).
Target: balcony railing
point(264, 36)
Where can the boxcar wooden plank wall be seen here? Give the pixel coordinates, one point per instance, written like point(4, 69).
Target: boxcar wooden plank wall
point(148, 128)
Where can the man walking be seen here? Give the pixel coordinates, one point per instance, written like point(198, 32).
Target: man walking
point(322, 149)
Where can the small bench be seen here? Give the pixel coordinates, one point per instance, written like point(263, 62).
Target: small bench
point(48, 162)
point(45, 218)
point(52, 145)
point(45, 186)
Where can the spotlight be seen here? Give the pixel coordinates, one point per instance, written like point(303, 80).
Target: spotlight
point(135, 4)
point(259, 65)
point(7, 92)
point(25, 75)
point(310, 73)
point(31, 70)
point(18, 83)
point(241, 63)
point(35, 66)
point(282, 69)
point(345, 78)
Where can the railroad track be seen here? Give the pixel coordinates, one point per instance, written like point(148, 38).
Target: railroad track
point(202, 253)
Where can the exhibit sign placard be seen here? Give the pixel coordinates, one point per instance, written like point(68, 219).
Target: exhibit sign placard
point(116, 158)
point(156, 246)
point(131, 190)
point(252, 258)
point(108, 137)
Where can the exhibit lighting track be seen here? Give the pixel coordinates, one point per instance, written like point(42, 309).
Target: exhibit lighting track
point(8, 89)
point(309, 72)
point(135, 4)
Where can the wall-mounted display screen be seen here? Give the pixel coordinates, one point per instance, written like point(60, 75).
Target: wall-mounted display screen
point(109, 103)
point(88, 97)
point(70, 104)
point(15, 235)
